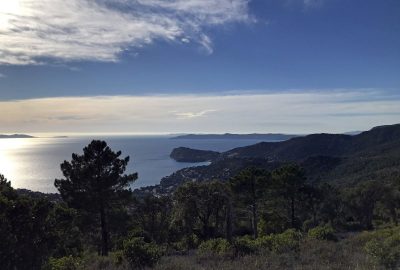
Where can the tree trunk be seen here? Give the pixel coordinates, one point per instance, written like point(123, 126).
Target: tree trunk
point(292, 213)
point(254, 207)
point(254, 213)
point(394, 215)
point(229, 221)
point(104, 233)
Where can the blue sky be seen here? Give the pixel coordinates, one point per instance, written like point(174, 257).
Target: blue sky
point(206, 48)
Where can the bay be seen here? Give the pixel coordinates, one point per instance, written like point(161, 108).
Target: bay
point(34, 163)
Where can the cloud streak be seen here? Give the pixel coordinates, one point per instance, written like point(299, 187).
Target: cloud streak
point(295, 112)
point(190, 115)
point(34, 31)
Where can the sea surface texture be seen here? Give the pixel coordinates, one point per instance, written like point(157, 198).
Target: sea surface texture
point(34, 163)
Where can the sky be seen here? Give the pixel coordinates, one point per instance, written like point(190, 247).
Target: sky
point(198, 66)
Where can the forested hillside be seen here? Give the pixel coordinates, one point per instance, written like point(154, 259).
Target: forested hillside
point(332, 158)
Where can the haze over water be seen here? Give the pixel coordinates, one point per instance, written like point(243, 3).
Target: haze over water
point(34, 163)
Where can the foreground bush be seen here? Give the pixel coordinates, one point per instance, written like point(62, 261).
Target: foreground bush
point(245, 245)
point(277, 243)
point(322, 233)
point(187, 242)
point(385, 251)
point(64, 263)
point(217, 246)
point(139, 254)
point(287, 241)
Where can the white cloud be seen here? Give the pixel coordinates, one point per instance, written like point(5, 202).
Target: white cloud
point(32, 31)
point(189, 115)
point(293, 112)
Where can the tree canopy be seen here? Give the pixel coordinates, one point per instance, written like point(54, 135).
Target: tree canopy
point(95, 182)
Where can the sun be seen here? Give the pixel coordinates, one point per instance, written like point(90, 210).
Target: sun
point(8, 9)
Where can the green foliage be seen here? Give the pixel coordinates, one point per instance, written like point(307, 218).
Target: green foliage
point(384, 248)
point(95, 182)
point(216, 246)
point(289, 191)
point(325, 232)
point(187, 242)
point(153, 217)
point(63, 263)
point(245, 245)
point(250, 187)
point(140, 253)
point(202, 209)
point(26, 233)
point(65, 231)
point(280, 243)
point(286, 241)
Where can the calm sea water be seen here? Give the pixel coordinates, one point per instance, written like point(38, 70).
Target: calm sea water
point(35, 163)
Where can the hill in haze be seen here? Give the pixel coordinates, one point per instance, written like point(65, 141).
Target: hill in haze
point(229, 136)
point(15, 136)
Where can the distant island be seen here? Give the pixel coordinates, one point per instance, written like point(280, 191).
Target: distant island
point(253, 136)
point(15, 136)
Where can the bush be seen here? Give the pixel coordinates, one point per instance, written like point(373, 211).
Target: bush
point(187, 243)
point(322, 233)
point(139, 254)
point(245, 245)
point(385, 251)
point(64, 263)
point(216, 246)
point(277, 243)
point(286, 241)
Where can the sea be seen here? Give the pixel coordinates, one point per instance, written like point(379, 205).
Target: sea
point(34, 163)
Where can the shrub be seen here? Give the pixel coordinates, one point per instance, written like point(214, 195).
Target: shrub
point(245, 245)
point(216, 246)
point(385, 251)
point(286, 241)
point(187, 242)
point(265, 242)
point(322, 233)
point(64, 263)
point(139, 254)
point(117, 257)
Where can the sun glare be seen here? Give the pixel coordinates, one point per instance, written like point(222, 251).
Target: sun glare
point(8, 9)
point(7, 160)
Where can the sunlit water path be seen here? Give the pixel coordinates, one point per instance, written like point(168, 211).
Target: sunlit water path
point(34, 163)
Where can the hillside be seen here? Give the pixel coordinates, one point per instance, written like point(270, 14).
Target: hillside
point(335, 158)
point(299, 148)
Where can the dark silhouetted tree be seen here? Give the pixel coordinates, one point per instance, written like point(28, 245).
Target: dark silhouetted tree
point(249, 187)
point(203, 208)
point(289, 185)
point(95, 182)
point(362, 200)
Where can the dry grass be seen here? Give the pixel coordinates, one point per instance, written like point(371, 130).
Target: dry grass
point(313, 255)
